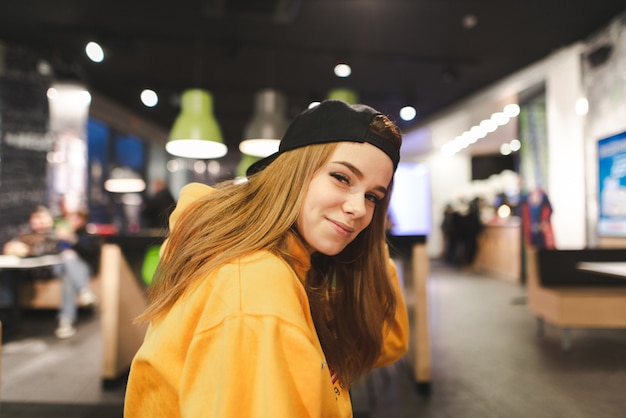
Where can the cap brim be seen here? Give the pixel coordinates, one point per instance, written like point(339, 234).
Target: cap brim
point(261, 164)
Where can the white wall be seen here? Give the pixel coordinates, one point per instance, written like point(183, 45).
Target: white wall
point(451, 177)
point(605, 88)
point(566, 168)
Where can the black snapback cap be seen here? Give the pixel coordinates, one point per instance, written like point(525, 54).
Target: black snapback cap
point(330, 121)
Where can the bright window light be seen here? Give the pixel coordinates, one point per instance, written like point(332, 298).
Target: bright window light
point(149, 98)
point(94, 51)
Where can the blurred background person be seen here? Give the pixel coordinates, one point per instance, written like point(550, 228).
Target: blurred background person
point(81, 260)
point(158, 207)
point(38, 238)
point(449, 234)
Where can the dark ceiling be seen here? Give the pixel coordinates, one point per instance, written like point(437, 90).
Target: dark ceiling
point(401, 51)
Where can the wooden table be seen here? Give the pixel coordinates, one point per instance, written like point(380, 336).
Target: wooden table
point(611, 268)
point(17, 266)
point(14, 262)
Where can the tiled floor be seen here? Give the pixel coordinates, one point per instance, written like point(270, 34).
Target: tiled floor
point(43, 376)
point(487, 361)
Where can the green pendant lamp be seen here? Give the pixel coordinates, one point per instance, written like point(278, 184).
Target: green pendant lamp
point(268, 124)
point(195, 133)
point(344, 94)
point(245, 162)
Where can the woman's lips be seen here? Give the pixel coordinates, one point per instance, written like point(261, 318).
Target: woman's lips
point(341, 228)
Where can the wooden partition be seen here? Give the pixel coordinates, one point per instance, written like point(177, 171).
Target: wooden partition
point(123, 298)
point(0, 355)
point(37, 293)
point(500, 251)
point(416, 267)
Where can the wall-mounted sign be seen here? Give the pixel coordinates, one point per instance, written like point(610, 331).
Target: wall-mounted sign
point(612, 186)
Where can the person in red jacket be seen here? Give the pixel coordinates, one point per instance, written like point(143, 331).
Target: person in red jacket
point(536, 213)
point(274, 295)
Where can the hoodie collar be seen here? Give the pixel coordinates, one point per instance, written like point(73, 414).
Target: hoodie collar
point(301, 256)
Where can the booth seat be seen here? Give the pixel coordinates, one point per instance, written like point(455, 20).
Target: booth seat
point(43, 289)
point(564, 296)
point(45, 292)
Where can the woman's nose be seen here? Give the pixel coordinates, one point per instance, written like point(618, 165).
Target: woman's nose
point(355, 205)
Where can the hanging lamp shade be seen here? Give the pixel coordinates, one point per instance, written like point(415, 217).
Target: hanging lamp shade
point(195, 133)
point(344, 94)
point(124, 180)
point(268, 124)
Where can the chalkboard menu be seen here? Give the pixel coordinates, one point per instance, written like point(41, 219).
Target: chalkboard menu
point(24, 146)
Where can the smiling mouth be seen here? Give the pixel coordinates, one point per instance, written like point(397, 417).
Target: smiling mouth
point(341, 228)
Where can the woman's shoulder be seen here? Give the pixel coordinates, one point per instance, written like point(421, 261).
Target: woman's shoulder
point(266, 270)
point(261, 283)
point(264, 259)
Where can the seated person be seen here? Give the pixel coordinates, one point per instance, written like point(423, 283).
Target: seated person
point(80, 255)
point(81, 258)
point(39, 239)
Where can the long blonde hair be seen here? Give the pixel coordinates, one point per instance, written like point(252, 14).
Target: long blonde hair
point(350, 294)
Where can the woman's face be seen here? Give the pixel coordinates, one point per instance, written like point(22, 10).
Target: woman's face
point(342, 195)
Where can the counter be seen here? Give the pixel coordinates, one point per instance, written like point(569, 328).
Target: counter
point(499, 251)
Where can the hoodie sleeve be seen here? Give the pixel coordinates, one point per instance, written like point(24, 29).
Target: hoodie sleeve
point(265, 364)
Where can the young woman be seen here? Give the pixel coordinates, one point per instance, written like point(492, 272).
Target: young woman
point(273, 296)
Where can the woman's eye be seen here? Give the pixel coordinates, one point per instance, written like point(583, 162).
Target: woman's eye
point(372, 198)
point(340, 177)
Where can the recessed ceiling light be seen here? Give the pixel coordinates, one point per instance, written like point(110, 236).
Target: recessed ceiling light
point(511, 110)
point(343, 70)
point(149, 98)
point(582, 106)
point(469, 21)
point(94, 51)
point(408, 113)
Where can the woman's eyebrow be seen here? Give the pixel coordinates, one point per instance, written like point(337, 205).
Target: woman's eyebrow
point(359, 174)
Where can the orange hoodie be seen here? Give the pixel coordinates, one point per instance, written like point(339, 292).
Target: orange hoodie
point(243, 344)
